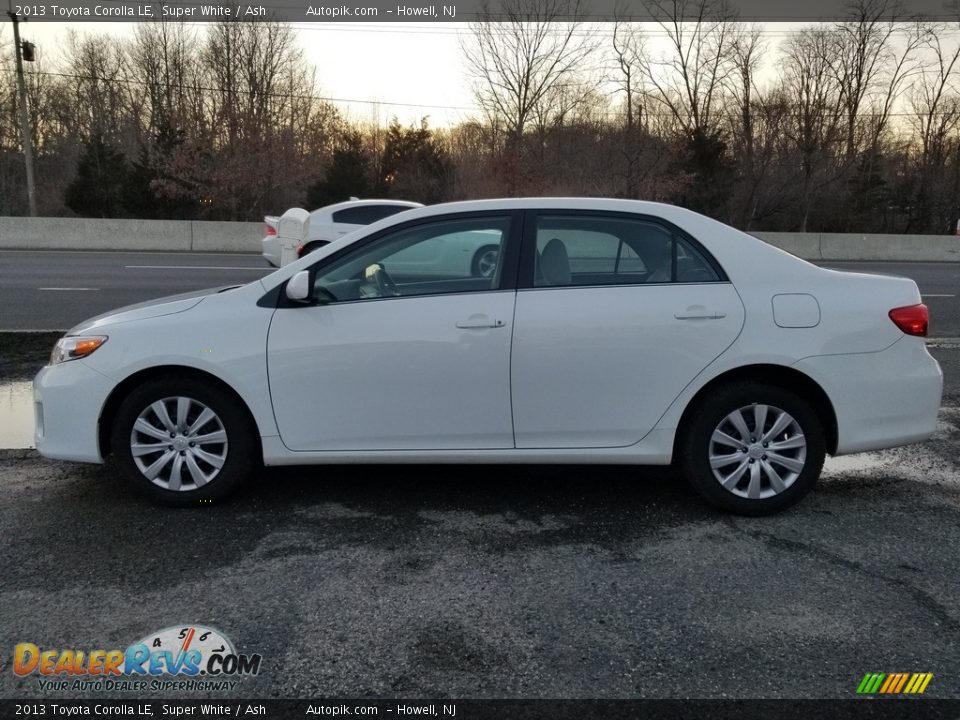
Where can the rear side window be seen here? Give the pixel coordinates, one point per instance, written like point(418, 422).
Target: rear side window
point(366, 214)
point(596, 250)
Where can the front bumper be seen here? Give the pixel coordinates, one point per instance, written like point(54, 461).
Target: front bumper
point(68, 399)
point(881, 399)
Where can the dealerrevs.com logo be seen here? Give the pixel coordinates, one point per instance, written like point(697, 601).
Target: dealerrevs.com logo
point(182, 657)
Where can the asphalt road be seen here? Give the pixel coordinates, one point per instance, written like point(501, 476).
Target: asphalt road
point(530, 582)
point(54, 290)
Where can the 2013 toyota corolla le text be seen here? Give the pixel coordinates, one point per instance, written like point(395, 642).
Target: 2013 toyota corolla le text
point(610, 331)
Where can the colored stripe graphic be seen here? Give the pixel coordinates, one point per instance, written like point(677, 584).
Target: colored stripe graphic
point(870, 683)
point(890, 681)
point(894, 683)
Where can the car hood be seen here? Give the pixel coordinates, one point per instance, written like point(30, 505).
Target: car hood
point(149, 309)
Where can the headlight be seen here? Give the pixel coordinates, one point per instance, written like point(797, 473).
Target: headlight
point(71, 348)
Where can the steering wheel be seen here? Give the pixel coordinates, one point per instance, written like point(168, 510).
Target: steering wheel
point(381, 278)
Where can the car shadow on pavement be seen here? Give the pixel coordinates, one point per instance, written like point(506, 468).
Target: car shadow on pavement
point(524, 491)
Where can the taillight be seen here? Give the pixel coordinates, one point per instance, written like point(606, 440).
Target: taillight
point(912, 320)
point(271, 230)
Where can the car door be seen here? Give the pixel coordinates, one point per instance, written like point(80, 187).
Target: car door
point(616, 313)
point(397, 361)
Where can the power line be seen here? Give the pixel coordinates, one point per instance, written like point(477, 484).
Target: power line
point(292, 96)
point(606, 115)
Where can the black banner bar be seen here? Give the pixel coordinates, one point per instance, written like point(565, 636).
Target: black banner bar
point(421, 11)
point(885, 709)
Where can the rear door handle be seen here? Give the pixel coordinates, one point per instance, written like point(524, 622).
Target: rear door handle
point(480, 321)
point(699, 312)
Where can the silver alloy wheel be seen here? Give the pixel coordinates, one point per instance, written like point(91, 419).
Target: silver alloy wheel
point(757, 451)
point(487, 263)
point(178, 443)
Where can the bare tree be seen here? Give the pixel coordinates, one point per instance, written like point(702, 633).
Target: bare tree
point(747, 50)
point(808, 80)
point(936, 117)
point(262, 122)
point(858, 55)
point(163, 64)
point(629, 48)
point(688, 79)
point(103, 97)
point(522, 55)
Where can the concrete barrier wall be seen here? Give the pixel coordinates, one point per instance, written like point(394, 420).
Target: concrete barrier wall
point(851, 246)
point(159, 235)
point(200, 236)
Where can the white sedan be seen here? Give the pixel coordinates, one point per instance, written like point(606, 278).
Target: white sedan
point(611, 331)
point(330, 223)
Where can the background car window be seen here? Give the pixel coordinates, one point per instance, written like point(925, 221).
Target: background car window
point(574, 250)
point(366, 214)
point(437, 258)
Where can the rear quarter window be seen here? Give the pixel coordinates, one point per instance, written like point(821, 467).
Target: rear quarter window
point(366, 214)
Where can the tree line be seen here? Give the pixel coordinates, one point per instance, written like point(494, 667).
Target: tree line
point(849, 126)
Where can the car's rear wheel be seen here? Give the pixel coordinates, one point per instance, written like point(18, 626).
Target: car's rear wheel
point(753, 449)
point(181, 441)
point(485, 260)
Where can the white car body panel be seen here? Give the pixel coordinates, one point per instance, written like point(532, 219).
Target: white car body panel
point(582, 358)
point(398, 375)
point(883, 398)
point(883, 385)
point(67, 400)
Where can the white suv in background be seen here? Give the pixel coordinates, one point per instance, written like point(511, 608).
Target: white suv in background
point(332, 222)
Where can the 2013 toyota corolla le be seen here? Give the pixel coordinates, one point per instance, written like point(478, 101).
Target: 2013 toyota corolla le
point(610, 332)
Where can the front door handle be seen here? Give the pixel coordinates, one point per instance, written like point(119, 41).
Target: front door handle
point(699, 312)
point(480, 321)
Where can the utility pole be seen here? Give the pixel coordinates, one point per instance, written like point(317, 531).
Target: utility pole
point(25, 134)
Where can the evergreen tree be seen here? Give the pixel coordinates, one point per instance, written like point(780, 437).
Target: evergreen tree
point(98, 188)
point(348, 175)
point(142, 196)
point(415, 166)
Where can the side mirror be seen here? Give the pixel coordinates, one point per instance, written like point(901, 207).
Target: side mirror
point(298, 287)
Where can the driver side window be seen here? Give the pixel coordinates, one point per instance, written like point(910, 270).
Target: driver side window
point(450, 256)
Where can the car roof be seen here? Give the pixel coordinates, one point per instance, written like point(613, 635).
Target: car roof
point(369, 201)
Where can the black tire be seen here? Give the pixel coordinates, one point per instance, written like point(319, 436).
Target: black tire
point(695, 446)
point(240, 452)
point(313, 246)
point(475, 268)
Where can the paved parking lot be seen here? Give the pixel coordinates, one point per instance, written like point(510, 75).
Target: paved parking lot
point(461, 581)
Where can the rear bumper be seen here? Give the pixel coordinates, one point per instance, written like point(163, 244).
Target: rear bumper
point(882, 399)
point(68, 399)
point(271, 250)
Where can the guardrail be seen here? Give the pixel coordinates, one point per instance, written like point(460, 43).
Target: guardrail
point(206, 236)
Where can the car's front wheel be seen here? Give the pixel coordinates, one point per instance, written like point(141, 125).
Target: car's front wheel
point(753, 449)
point(181, 441)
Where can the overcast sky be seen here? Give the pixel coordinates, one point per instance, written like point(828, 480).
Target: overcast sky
point(417, 64)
